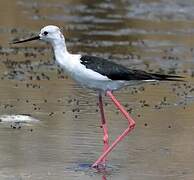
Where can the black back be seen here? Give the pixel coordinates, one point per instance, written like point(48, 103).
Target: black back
point(118, 72)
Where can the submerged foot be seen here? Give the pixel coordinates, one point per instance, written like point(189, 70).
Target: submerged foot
point(101, 167)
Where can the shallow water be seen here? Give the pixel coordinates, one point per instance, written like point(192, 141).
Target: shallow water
point(155, 36)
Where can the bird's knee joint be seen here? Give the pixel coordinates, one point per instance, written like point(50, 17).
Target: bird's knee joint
point(105, 138)
point(132, 125)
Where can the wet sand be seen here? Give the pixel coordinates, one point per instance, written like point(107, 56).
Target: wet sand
point(156, 36)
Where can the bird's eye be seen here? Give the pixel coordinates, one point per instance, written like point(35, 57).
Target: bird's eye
point(45, 33)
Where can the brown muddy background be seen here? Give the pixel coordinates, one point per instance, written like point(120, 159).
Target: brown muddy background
point(156, 36)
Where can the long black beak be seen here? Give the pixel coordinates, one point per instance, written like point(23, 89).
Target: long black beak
point(25, 40)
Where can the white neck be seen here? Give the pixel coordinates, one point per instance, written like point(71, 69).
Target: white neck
point(59, 45)
point(62, 56)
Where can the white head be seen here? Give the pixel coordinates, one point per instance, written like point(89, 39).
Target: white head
point(49, 33)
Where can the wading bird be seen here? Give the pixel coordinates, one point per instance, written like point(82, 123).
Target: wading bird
point(98, 74)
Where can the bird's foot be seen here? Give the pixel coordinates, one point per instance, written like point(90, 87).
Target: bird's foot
point(101, 167)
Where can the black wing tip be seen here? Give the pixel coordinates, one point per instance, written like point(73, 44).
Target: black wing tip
point(175, 80)
point(163, 77)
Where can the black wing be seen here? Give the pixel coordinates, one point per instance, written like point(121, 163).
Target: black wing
point(118, 72)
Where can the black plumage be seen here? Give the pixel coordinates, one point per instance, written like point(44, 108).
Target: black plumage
point(118, 72)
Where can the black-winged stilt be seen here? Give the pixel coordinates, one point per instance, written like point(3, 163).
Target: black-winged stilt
point(98, 74)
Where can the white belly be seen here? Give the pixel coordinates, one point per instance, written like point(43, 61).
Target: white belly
point(102, 85)
point(90, 79)
point(95, 81)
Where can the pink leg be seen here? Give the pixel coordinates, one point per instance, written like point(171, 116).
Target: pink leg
point(104, 126)
point(131, 125)
point(104, 177)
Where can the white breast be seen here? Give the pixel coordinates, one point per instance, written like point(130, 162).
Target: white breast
point(86, 77)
